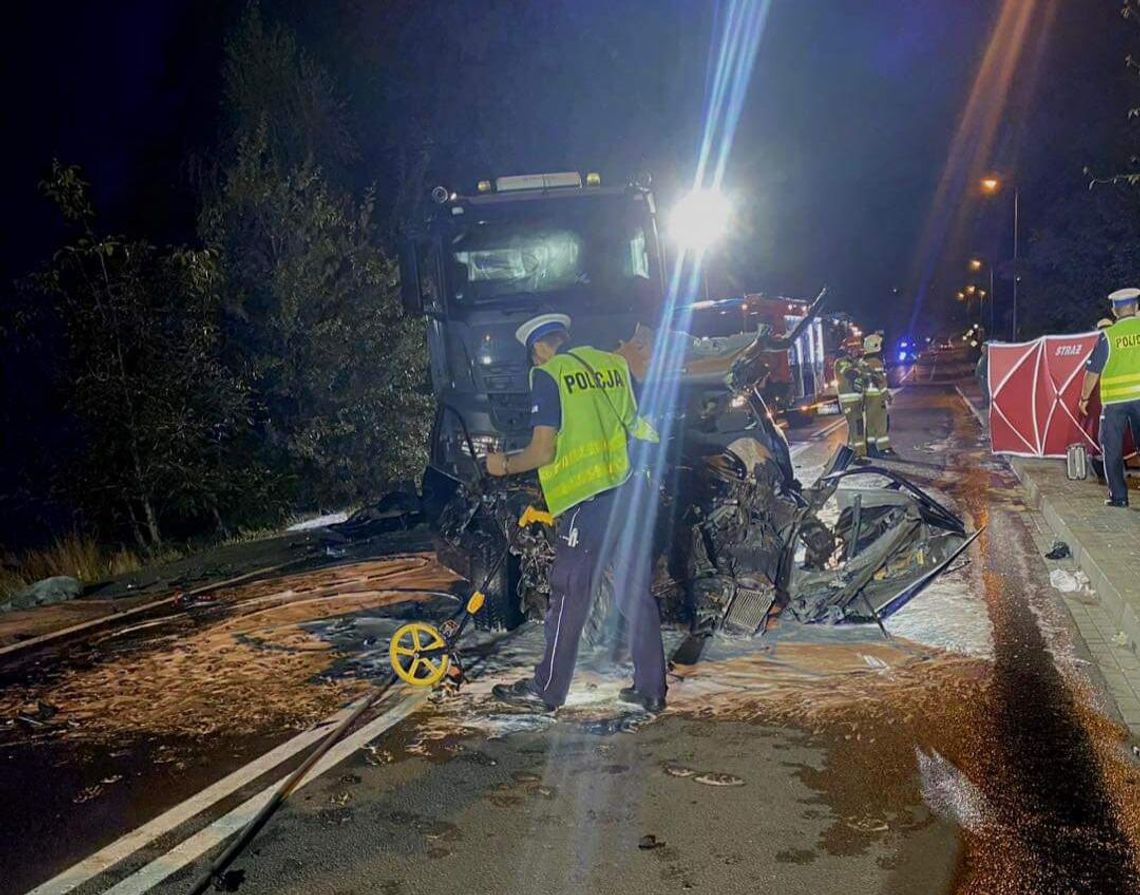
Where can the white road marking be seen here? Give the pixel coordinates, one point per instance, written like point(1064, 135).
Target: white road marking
point(816, 437)
point(127, 845)
point(220, 830)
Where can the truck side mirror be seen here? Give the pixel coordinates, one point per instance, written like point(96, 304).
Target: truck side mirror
point(410, 295)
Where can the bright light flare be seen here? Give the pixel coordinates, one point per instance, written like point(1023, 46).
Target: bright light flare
point(700, 219)
point(991, 184)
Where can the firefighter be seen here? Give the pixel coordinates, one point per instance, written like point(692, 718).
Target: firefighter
point(851, 384)
point(1115, 365)
point(583, 417)
point(876, 398)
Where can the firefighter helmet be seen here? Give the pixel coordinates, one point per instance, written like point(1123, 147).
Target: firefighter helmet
point(873, 344)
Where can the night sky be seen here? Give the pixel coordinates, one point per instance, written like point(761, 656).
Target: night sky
point(851, 112)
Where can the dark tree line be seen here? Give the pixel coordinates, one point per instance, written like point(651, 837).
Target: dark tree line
point(267, 366)
point(1085, 241)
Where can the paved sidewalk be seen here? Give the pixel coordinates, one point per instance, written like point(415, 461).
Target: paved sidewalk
point(1105, 544)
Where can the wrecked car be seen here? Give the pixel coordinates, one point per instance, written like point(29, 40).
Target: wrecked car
point(742, 542)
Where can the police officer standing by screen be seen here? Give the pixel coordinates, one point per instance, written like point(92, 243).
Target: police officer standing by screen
point(1115, 366)
point(583, 417)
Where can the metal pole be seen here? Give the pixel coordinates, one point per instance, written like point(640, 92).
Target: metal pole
point(1016, 222)
point(993, 300)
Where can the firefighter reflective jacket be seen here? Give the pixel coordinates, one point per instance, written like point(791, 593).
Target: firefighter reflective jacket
point(1120, 379)
point(850, 383)
point(875, 375)
point(599, 417)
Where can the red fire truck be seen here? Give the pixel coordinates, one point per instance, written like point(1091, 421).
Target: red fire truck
point(801, 381)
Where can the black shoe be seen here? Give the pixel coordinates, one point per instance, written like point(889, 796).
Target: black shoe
point(521, 695)
point(1113, 502)
point(636, 697)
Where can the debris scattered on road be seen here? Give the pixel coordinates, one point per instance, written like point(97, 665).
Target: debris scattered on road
point(607, 726)
point(649, 841)
point(1120, 639)
point(868, 824)
point(230, 881)
point(1060, 550)
point(260, 665)
point(88, 793)
point(678, 770)
point(716, 778)
point(876, 663)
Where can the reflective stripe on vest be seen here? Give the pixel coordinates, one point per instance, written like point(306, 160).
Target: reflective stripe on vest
point(1120, 379)
point(599, 414)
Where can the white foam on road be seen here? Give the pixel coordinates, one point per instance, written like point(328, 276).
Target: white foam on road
point(949, 614)
point(949, 793)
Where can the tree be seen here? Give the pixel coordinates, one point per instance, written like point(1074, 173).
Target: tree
point(1130, 12)
point(159, 414)
point(338, 375)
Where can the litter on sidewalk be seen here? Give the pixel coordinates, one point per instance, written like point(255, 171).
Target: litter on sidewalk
point(1069, 582)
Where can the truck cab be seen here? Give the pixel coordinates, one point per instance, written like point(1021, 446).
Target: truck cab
point(480, 265)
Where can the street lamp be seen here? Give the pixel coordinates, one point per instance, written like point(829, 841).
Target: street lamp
point(977, 264)
point(992, 186)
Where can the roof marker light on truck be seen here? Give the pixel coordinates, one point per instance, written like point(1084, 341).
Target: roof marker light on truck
point(538, 181)
point(593, 178)
point(484, 186)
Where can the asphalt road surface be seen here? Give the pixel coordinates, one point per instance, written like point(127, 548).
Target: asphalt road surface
point(972, 753)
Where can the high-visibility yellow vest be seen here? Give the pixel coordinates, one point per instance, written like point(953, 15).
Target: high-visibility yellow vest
point(1120, 379)
point(599, 416)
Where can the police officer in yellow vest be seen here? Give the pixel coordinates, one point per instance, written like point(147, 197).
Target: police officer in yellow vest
point(876, 397)
point(850, 382)
point(583, 416)
point(1115, 365)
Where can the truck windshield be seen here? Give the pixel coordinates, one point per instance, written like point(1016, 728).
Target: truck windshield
point(600, 250)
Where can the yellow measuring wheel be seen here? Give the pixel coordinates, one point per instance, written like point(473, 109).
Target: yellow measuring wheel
point(419, 654)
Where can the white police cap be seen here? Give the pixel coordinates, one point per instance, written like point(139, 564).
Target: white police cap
point(1124, 296)
point(542, 325)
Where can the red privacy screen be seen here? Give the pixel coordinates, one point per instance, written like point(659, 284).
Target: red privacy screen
point(1034, 390)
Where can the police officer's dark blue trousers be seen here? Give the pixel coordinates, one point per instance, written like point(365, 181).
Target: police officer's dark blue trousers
point(582, 554)
point(1115, 419)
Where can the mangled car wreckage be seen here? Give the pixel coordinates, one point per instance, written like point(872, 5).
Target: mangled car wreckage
point(741, 542)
